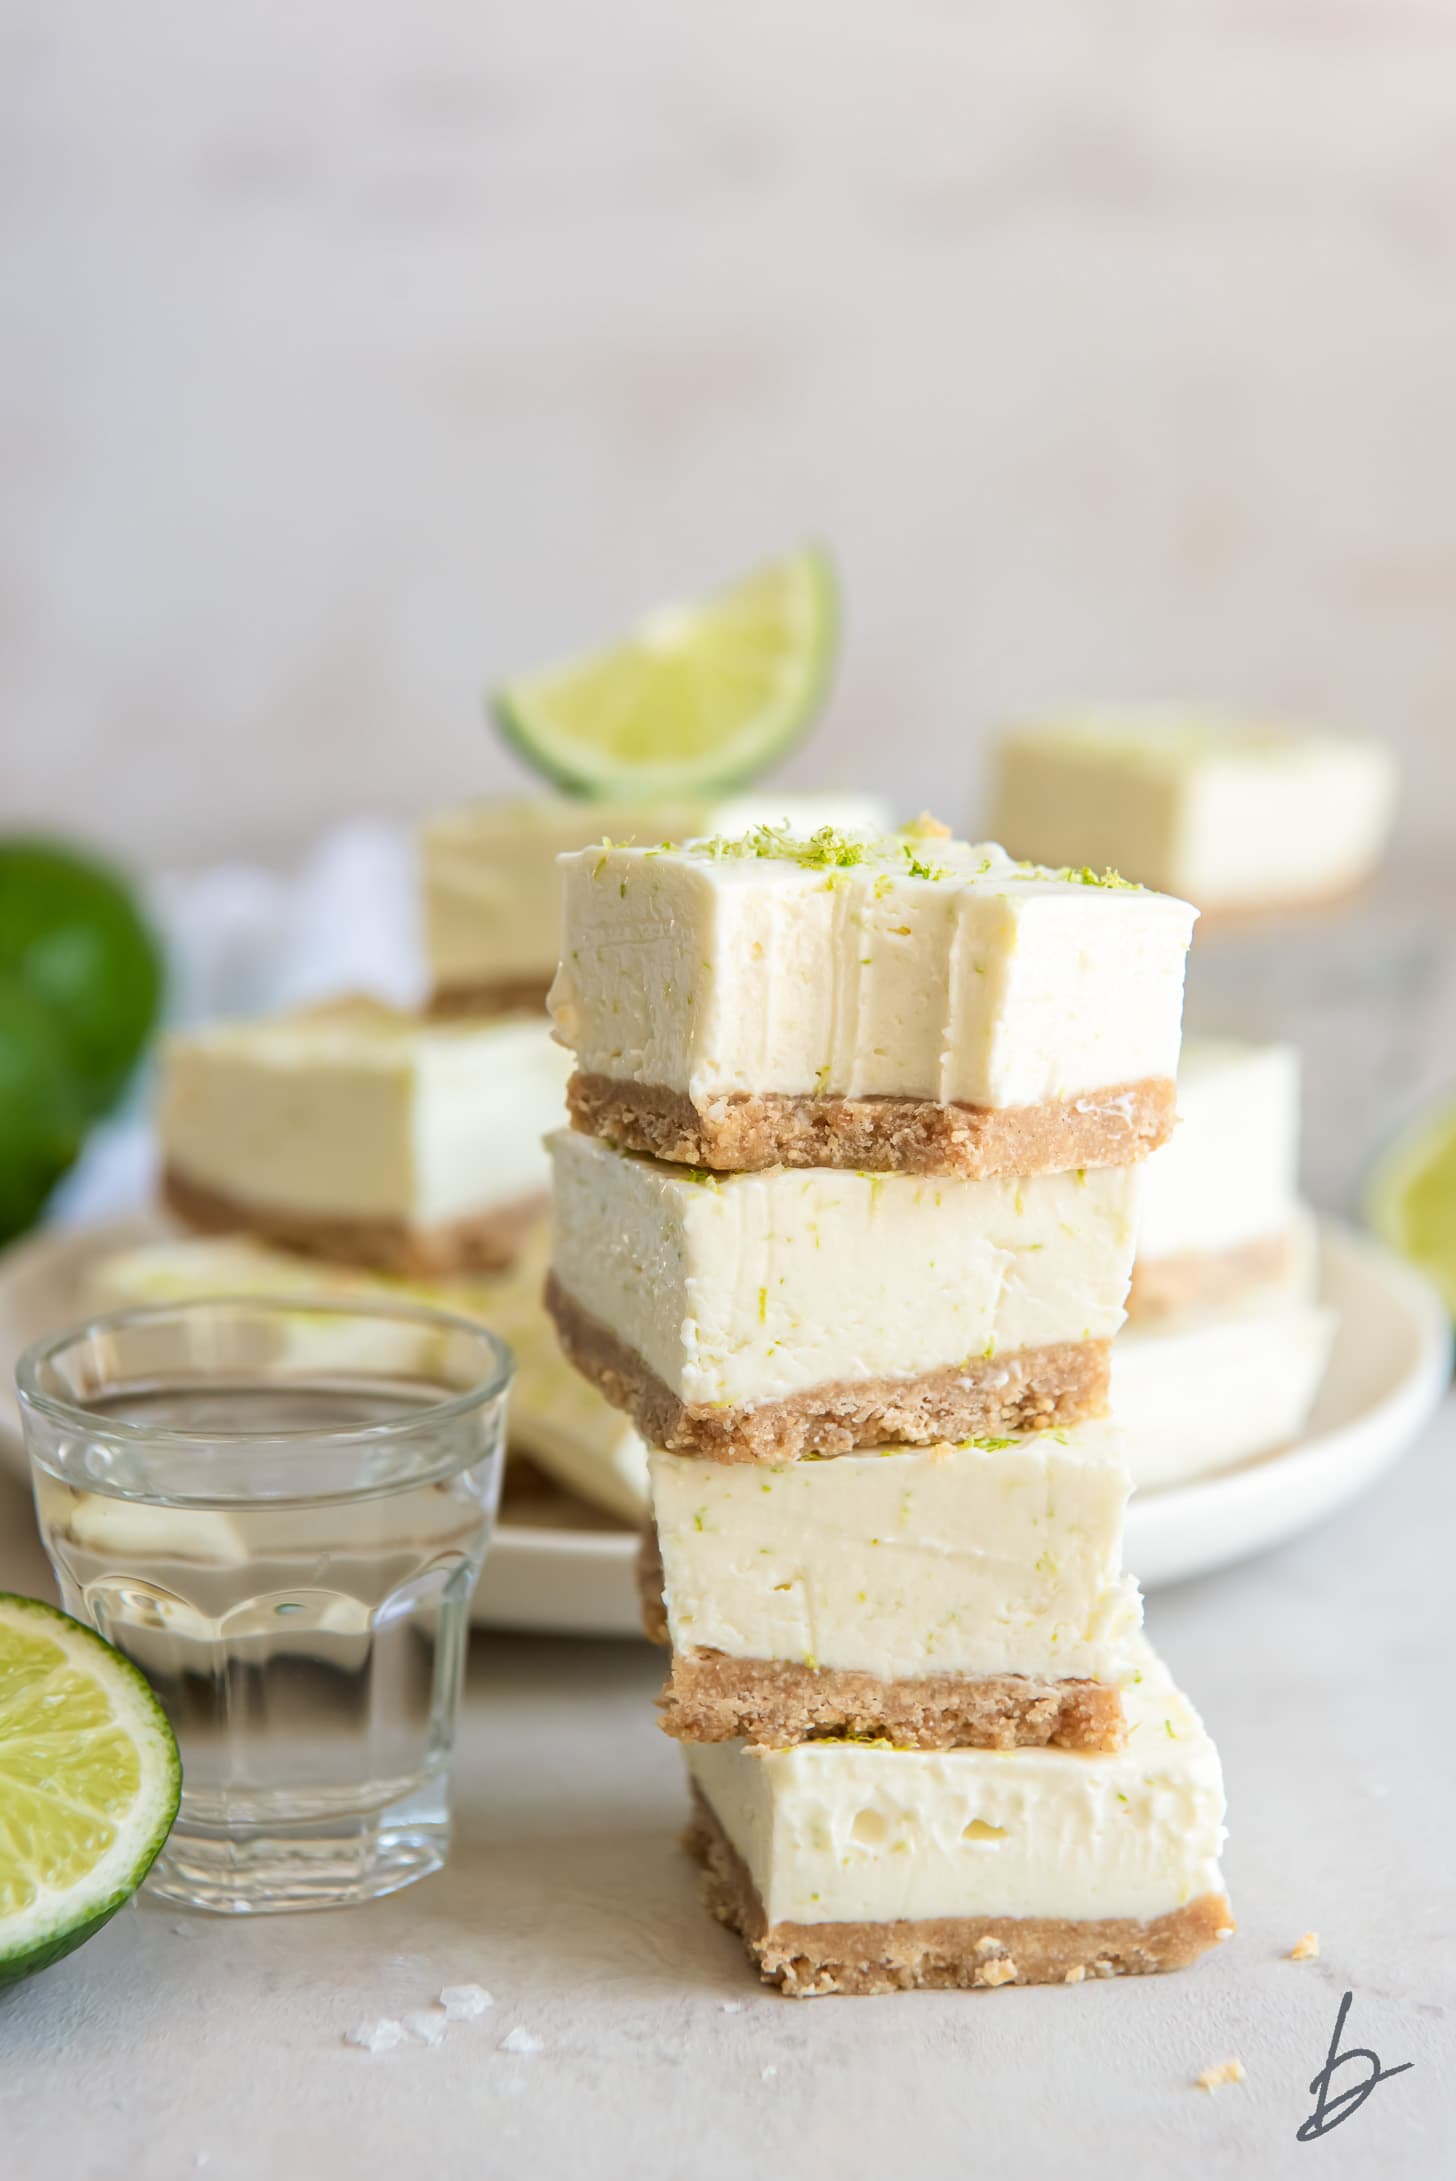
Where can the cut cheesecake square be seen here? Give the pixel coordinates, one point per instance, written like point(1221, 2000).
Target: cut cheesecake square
point(1238, 816)
point(1219, 1218)
point(858, 1867)
point(954, 1596)
point(907, 1003)
point(361, 1134)
point(492, 893)
point(761, 1316)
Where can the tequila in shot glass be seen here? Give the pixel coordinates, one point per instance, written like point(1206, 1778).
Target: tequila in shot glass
point(279, 1511)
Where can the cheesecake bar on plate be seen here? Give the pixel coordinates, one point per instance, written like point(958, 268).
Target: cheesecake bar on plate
point(492, 893)
point(861, 1867)
point(945, 1597)
point(906, 1003)
point(556, 1419)
point(359, 1133)
point(1238, 816)
point(1220, 1219)
point(760, 1316)
point(1197, 1394)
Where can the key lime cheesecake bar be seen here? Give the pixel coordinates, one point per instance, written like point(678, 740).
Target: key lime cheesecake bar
point(492, 893)
point(1235, 815)
point(359, 1133)
point(1220, 1219)
point(862, 1867)
point(950, 1596)
point(906, 1003)
point(760, 1316)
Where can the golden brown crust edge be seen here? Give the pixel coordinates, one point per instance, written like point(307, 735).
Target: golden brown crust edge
point(742, 1131)
point(1203, 1279)
point(490, 996)
point(649, 1586)
point(487, 1242)
point(710, 1697)
point(957, 1953)
point(1032, 1389)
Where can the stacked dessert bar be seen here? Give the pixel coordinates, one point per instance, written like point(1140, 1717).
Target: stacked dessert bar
point(1226, 1341)
point(491, 892)
point(846, 1224)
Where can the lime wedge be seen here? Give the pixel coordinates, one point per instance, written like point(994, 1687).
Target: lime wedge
point(696, 697)
point(89, 1784)
point(1411, 1198)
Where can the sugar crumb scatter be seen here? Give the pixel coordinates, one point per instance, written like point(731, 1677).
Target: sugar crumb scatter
point(375, 2036)
point(1214, 2078)
point(426, 2026)
point(464, 2002)
point(521, 2040)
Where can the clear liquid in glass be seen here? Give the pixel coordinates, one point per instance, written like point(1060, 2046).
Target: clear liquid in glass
point(308, 1649)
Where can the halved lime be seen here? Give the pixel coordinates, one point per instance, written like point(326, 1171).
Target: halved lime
point(696, 697)
point(90, 1780)
point(1411, 1198)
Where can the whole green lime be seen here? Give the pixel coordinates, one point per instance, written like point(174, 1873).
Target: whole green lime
point(71, 933)
point(43, 1105)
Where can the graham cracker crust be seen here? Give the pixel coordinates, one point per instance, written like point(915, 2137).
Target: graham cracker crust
point(491, 996)
point(485, 1242)
point(1202, 1279)
point(743, 1131)
point(940, 1953)
point(710, 1697)
point(1032, 1389)
point(649, 1586)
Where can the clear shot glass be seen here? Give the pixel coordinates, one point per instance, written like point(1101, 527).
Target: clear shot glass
point(279, 1510)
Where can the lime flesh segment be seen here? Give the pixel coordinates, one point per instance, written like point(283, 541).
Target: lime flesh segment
point(696, 697)
point(90, 1781)
point(1411, 1200)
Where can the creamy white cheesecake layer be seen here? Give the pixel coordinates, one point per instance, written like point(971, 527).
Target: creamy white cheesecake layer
point(360, 1112)
point(913, 968)
point(1226, 812)
point(492, 893)
point(843, 1832)
point(1229, 1173)
point(1197, 1395)
point(555, 1416)
point(749, 1287)
point(998, 1556)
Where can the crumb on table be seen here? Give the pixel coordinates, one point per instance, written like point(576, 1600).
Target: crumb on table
point(1305, 1949)
point(1214, 2078)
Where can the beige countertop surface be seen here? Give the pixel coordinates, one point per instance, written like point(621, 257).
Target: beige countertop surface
point(174, 2045)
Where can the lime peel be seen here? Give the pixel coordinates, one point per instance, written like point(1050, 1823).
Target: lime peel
point(698, 697)
point(1410, 1201)
point(90, 1782)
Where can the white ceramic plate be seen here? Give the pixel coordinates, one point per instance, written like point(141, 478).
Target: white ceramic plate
point(1392, 1364)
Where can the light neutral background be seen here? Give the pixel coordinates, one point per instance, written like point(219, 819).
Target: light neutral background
point(357, 351)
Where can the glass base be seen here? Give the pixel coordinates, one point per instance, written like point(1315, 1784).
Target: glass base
point(270, 1869)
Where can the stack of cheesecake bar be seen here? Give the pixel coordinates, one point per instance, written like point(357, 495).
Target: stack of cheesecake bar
point(846, 1223)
